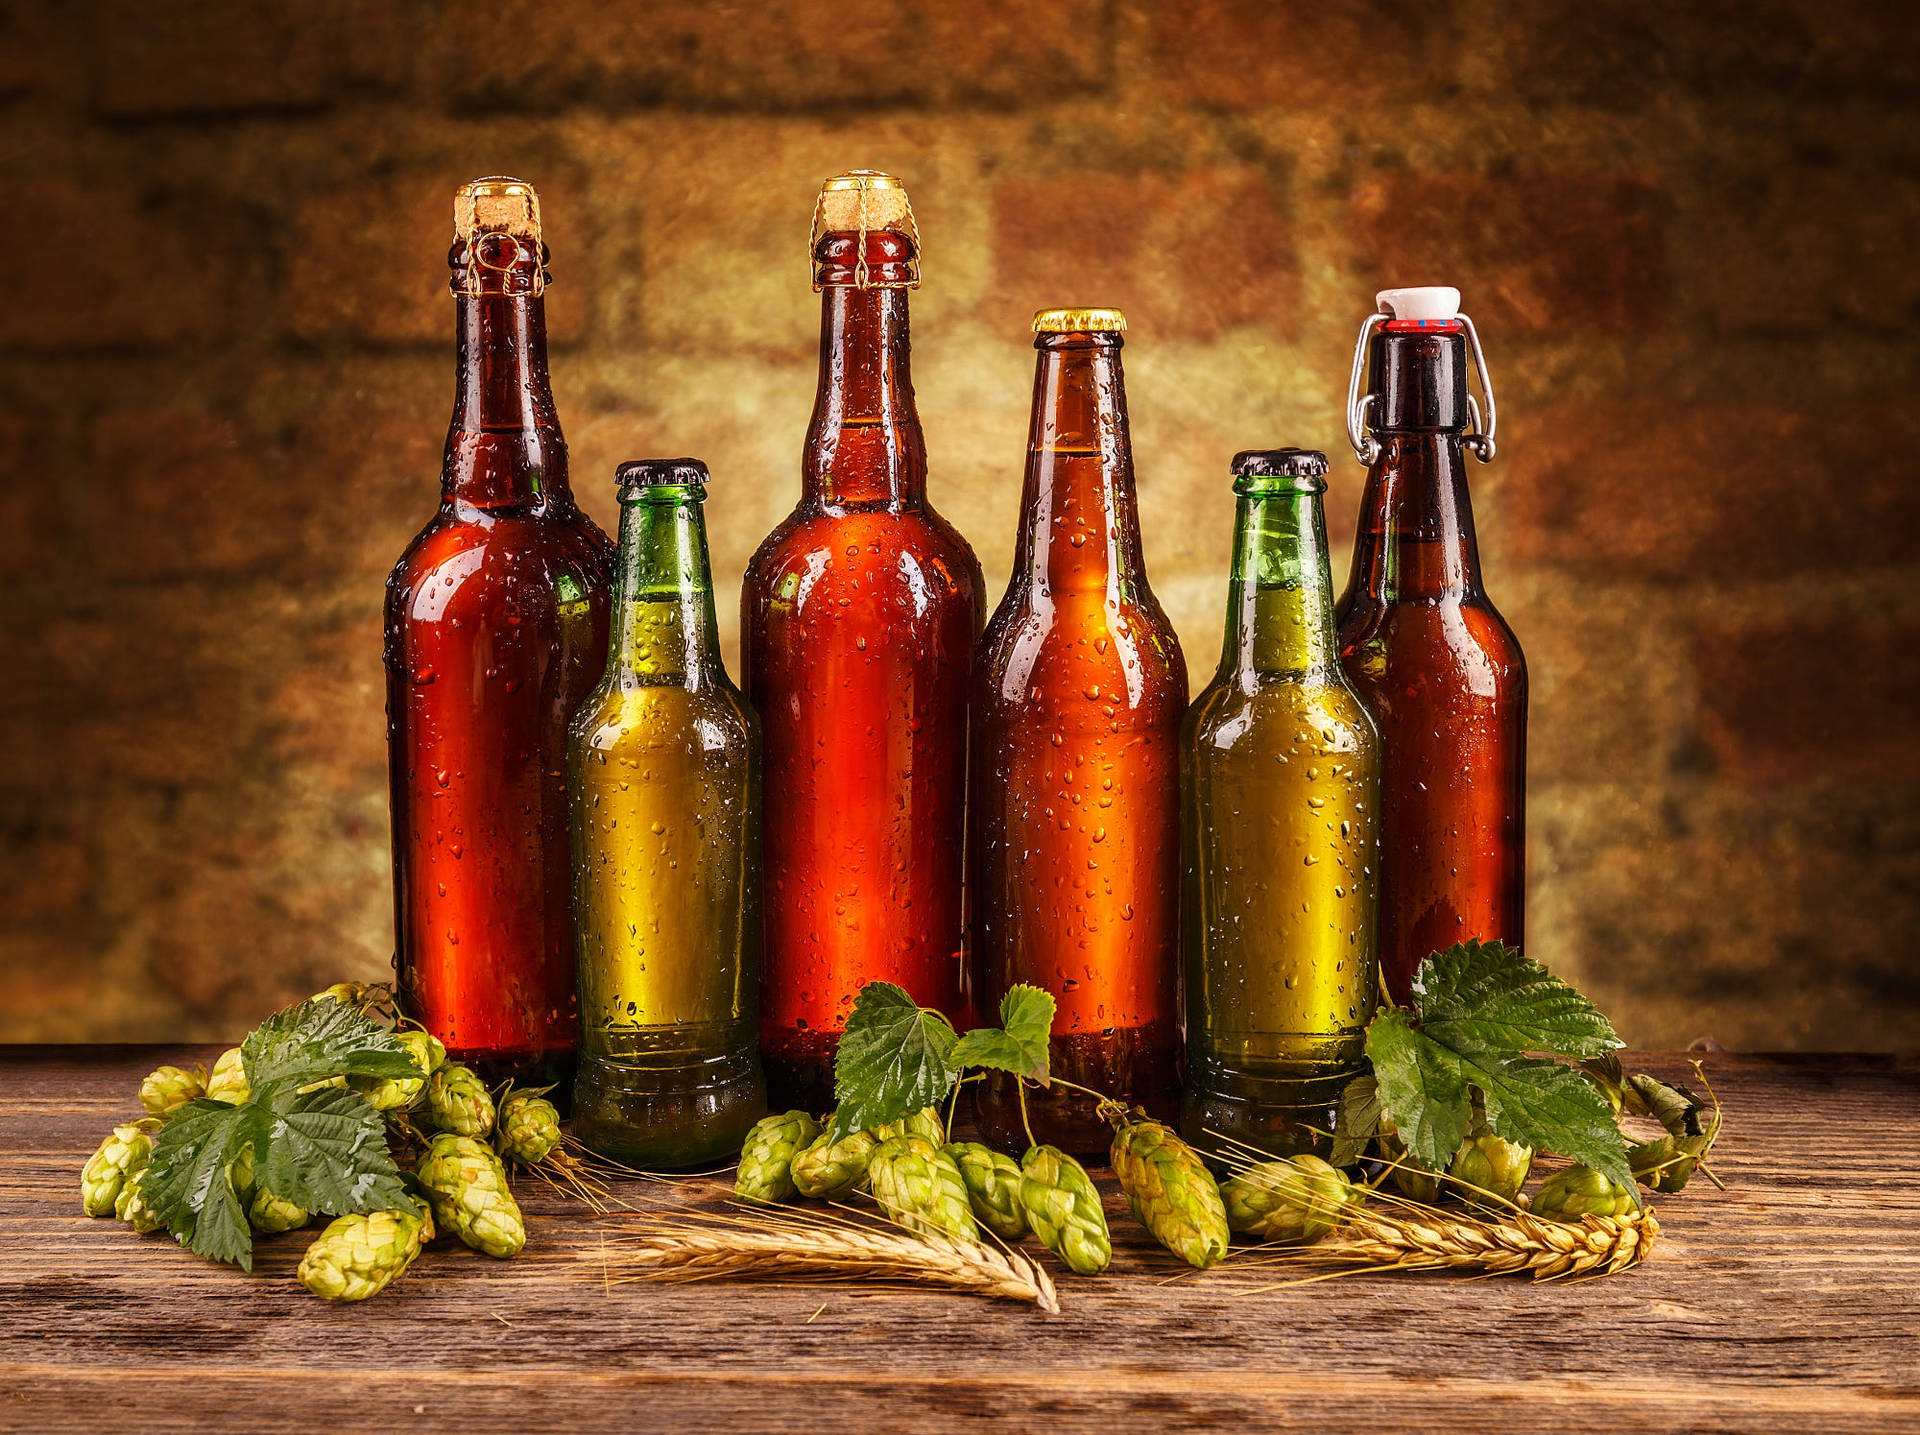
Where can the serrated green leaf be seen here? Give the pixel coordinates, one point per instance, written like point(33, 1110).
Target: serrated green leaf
point(1486, 997)
point(317, 1040)
point(1551, 1107)
point(1357, 1122)
point(326, 1150)
point(1020, 1043)
point(187, 1184)
point(1422, 1087)
point(895, 1058)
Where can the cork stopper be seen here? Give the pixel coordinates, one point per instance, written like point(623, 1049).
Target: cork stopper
point(862, 202)
point(496, 237)
point(1079, 321)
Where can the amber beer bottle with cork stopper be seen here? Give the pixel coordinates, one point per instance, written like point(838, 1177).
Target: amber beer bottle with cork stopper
point(1074, 820)
point(1280, 768)
point(496, 627)
point(665, 779)
point(1424, 646)
point(859, 614)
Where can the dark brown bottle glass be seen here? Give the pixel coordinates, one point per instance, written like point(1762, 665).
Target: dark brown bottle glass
point(496, 627)
point(859, 614)
point(1074, 823)
point(1430, 656)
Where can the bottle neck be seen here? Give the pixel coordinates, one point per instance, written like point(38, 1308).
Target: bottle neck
point(1280, 621)
point(504, 447)
point(864, 445)
point(664, 632)
point(1080, 521)
point(1416, 537)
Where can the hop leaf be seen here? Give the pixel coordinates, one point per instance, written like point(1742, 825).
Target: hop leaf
point(1427, 1086)
point(1485, 997)
point(323, 1149)
point(1019, 1044)
point(318, 1040)
point(895, 1057)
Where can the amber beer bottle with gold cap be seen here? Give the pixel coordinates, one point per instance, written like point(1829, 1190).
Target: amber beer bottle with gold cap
point(1428, 652)
point(859, 615)
point(496, 627)
point(1074, 821)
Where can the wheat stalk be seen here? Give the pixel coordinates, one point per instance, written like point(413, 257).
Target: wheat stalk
point(1418, 1238)
point(739, 1248)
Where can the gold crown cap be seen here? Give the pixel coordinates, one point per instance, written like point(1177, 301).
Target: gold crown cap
point(496, 204)
point(1079, 321)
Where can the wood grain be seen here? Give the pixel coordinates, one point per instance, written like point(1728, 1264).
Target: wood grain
point(1787, 1302)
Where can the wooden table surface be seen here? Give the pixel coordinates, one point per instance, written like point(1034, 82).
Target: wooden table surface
point(1788, 1301)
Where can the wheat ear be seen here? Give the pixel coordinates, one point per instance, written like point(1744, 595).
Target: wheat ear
point(1512, 1243)
point(675, 1252)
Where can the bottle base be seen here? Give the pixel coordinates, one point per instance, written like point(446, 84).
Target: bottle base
point(1223, 1114)
point(800, 1071)
point(668, 1117)
point(524, 1069)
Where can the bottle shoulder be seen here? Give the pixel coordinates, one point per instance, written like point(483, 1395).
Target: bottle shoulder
point(890, 562)
point(666, 717)
point(1275, 710)
point(520, 559)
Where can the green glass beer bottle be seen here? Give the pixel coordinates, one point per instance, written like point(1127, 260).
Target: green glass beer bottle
point(1280, 779)
point(664, 784)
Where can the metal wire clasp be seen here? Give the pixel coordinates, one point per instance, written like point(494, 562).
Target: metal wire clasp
point(862, 279)
point(1479, 436)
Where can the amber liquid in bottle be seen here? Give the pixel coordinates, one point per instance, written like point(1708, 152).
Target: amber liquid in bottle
point(1074, 822)
point(1438, 668)
point(859, 615)
point(496, 627)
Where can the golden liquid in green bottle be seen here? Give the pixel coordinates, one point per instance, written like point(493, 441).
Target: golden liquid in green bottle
point(1281, 794)
point(665, 792)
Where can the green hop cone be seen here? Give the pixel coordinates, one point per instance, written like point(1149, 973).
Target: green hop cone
point(1581, 1191)
point(359, 1256)
point(228, 1080)
point(1669, 1163)
point(425, 1049)
point(919, 1187)
point(467, 1186)
point(458, 1101)
point(130, 1206)
point(1487, 1163)
point(269, 1215)
point(1292, 1202)
point(924, 1123)
point(1064, 1209)
point(827, 1168)
point(402, 1093)
point(766, 1157)
point(240, 1173)
point(1172, 1192)
point(528, 1128)
point(127, 1150)
point(993, 1188)
point(1409, 1177)
point(168, 1088)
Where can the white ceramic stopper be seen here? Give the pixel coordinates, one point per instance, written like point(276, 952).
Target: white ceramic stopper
point(1434, 304)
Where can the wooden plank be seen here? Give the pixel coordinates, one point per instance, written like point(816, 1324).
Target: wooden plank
point(1787, 1302)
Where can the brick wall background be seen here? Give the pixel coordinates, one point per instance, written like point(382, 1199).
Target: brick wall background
point(1687, 233)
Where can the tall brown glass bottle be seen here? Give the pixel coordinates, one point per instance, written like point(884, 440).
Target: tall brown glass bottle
point(1074, 824)
point(496, 627)
point(859, 614)
point(1425, 648)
